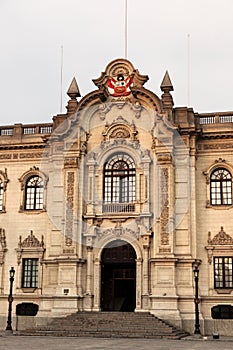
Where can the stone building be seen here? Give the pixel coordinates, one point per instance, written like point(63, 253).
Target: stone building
point(113, 204)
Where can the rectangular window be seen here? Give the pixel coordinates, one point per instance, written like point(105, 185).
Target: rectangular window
point(30, 273)
point(223, 275)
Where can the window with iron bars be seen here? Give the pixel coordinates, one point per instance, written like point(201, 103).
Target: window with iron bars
point(30, 273)
point(119, 184)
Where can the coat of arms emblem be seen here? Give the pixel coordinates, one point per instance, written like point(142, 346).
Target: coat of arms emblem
point(120, 86)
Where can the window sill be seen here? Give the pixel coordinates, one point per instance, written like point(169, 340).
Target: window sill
point(30, 212)
point(29, 290)
point(220, 206)
point(224, 290)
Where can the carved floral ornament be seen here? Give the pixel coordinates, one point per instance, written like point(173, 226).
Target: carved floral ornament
point(3, 248)
point(220, 241)
point(30, 245)
point(4, 178)
point(120, 129)
point(119, 231)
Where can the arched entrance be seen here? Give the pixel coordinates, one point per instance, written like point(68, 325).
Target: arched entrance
point(118, 277)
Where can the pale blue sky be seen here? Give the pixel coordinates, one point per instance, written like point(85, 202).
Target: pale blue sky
point(91, 33)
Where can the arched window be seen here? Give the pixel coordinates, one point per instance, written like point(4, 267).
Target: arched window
point(34, 193)
point(221, 187)
point(1, 195)
point(119, 179)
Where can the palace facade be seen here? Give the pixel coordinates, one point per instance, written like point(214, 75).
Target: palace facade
point(112, 205)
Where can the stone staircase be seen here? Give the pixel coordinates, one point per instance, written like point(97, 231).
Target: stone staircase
point(109, 324)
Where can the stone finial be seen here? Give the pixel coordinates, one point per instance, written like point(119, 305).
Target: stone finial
point(73, 92)
point(167, 100)
point(166, 84)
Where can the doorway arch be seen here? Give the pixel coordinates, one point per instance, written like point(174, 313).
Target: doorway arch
point(118, 277)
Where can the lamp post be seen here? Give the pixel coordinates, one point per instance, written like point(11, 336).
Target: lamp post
point(196, 301)
point(10, 300)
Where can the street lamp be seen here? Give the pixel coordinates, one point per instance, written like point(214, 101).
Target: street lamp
point(196, 301)
point(10, 300)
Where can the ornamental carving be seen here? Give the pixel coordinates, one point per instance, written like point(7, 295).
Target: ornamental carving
point(222, 238)
point(4, 178)
point(70, 162)
point(31, 241)
point(164, 217)
point(31, 155)
point(120, 129)
point(220, 241)
point(218, 145)
point(119, 132)
point(118, 231)
point(3, 248)
point(31, 245)
point(69, 208)
point(5, 156)
point(164, 157)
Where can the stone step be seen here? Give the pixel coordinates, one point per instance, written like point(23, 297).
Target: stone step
point(109, 324)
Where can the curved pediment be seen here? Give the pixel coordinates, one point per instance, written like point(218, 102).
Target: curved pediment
point(120, 94)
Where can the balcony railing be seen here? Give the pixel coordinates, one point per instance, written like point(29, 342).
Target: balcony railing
point(28, 129)
point(216, 118)
point(118, 207)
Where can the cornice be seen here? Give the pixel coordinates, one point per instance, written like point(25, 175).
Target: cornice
point(21, 146)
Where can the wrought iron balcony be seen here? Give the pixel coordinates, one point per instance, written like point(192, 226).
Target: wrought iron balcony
point(118, 207)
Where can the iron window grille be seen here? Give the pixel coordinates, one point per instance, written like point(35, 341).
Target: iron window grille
point(119, 184)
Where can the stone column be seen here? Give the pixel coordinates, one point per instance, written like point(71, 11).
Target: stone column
point(146, 271)
point(138, 284)
point(89, 269)
point(97, 284)
point(79, 279)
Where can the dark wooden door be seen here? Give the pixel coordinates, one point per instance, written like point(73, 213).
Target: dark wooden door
point(118, 277)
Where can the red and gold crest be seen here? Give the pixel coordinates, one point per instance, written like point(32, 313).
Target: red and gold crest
point(121, 86)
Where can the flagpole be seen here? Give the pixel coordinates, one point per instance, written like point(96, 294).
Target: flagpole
point(188, 70)
point(61, 75)
point(126, 29)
